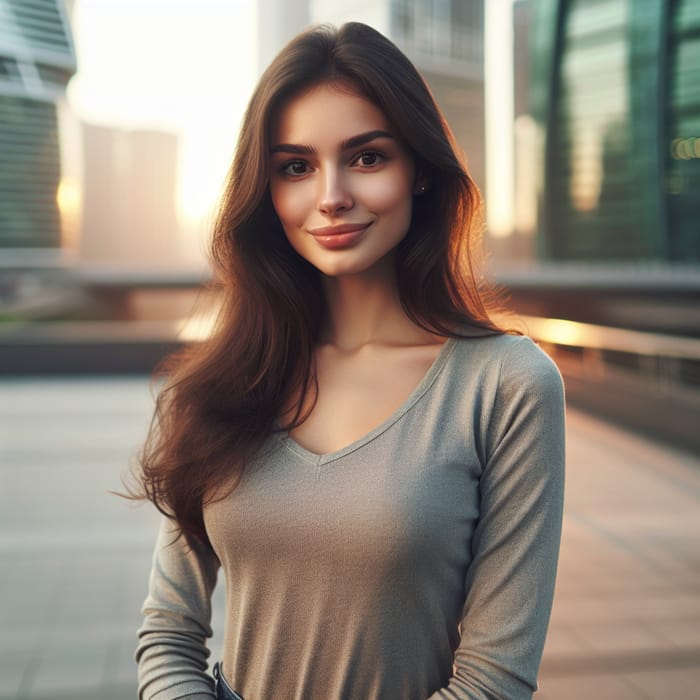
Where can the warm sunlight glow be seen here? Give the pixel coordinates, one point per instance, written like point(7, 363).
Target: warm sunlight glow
point(68, 198)
point(556, 330)
point(205, 158)
point(528, 146)
point(587, 176)
point(179, 66)
point(197, 327)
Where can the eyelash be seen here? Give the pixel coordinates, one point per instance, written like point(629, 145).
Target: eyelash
point(380, 156)
point(284, 167)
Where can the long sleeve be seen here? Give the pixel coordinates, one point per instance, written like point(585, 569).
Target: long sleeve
point(510, 581)
point(172, 653)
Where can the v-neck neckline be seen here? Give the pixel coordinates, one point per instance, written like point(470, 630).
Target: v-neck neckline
point(420, 389)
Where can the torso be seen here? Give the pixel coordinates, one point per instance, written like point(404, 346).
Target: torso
point(348, 571)
point(358, 391)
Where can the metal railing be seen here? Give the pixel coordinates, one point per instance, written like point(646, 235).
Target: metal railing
point(603, 338)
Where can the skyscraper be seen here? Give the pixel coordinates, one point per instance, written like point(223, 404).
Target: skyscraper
point(37, 59)
point(616, 92)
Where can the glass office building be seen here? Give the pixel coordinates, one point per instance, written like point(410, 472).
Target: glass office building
point(37, 59)
point(616, 95)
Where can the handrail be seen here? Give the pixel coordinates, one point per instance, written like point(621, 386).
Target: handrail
point(587, 335)
point(556, 331)
point(642, 278)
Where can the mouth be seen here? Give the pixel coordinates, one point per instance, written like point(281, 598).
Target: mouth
point(341, 236)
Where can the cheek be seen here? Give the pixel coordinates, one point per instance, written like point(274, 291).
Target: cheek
point(388, 195)
point(288, 203)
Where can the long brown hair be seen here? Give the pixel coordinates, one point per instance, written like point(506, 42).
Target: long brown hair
point(223, 396)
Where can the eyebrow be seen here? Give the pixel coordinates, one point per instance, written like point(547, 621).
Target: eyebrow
point(352, 142)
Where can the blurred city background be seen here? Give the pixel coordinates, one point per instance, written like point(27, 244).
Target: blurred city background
point(580, 122)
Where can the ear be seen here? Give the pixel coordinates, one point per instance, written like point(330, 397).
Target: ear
point(421, 186)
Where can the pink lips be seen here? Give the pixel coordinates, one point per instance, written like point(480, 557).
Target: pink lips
point(340, 236)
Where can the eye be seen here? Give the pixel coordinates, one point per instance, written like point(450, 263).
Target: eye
point(368, 159)
point(294, 168)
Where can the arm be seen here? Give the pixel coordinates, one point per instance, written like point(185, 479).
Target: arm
point(172, 653)
point(510, 582)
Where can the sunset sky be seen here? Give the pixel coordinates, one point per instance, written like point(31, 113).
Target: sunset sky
point(175, 65)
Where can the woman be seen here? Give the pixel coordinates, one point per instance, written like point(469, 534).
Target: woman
point(375, 466)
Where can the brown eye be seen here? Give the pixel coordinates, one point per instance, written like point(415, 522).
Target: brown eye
point(294, 168)
point(368, 158)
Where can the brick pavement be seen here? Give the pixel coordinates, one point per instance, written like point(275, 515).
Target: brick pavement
point(626, 619)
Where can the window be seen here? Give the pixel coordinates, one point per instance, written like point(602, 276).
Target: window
point(445, 30)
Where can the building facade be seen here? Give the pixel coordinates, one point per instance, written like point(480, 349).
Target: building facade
point(129, 187)
point(615, 92)
point(37, 58)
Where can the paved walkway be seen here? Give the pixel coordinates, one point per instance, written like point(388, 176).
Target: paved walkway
point(74, 559)
point(626, 617)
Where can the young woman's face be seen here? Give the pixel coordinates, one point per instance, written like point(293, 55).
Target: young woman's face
point(341, 182)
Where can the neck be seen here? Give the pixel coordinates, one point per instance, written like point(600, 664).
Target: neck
point(366, 309)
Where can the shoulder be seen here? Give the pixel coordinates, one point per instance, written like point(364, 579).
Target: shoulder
point(523, 397)
point(507, 370)
point(514, 354)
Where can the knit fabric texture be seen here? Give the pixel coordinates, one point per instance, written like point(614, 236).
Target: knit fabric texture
point(417, 562)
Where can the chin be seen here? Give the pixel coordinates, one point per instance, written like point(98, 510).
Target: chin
point(341, 269)
point(348, 262)
point(377, 270)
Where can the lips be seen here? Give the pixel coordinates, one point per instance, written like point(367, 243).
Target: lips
point(341, 236)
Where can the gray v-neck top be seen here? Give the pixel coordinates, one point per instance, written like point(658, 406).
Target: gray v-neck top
point(417, 562)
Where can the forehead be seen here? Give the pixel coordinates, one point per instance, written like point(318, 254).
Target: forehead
point(326, 114)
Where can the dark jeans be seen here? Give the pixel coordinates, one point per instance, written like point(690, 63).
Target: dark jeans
point(223, 690)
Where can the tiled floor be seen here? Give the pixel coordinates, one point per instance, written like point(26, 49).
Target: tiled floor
point(626, 617)
point(75, 559)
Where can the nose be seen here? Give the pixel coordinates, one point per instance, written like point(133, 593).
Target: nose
point(335, 196)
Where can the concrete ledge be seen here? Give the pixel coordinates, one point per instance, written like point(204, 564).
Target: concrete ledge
point(132, 347)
